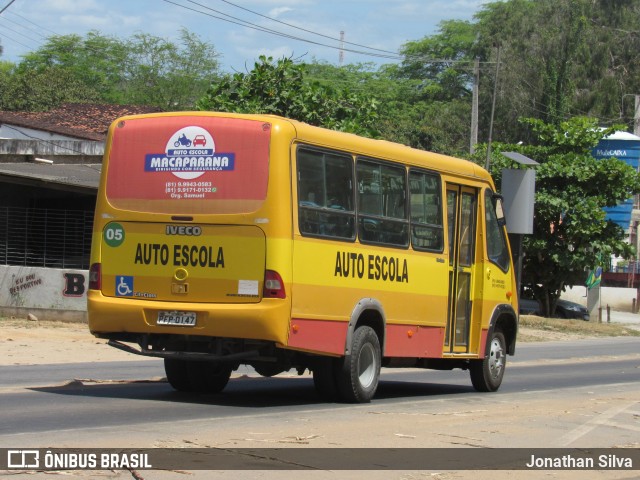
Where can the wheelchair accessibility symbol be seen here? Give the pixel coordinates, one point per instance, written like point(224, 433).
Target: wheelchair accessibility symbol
point(124, 286)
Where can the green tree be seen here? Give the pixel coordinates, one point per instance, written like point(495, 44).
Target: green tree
point(432, 110)
point(442, 63)
point(281, 88)
point(42, 90)
point(143, 69)
point(169, 75)
point(608, 66)
point(96, 61)
point(402, 116)
point(561, 58)
point(572, 187)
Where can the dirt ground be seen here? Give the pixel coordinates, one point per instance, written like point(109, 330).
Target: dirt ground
point(27, 342)
point(33, 342)
point(436, 424)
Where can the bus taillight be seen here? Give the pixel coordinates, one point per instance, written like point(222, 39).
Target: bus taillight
point(273, 285)
point(95, 277)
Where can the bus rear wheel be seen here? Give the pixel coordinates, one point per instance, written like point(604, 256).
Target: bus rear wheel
point(201, 377)
point(209, 377)
point(486, 374)
point(177, 374)
point(357, 377)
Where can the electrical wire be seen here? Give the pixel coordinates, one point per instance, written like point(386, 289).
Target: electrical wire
point(247, 24)
point(304, 29)
point(40, 27)
point(4, 35)
point(253, 26)
point(3, 19)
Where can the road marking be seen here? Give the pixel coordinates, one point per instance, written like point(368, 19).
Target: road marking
point(600, 420)
point(622, 426)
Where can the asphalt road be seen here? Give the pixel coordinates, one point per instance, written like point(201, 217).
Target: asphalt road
point(57, 374)
point(49, 398)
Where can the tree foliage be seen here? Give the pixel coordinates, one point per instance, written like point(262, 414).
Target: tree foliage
point(281, 88)
point(143, 69)
point(442, 63)
point(570, 234)
point(42, 90)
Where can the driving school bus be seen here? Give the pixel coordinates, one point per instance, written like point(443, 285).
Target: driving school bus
point(223, 239)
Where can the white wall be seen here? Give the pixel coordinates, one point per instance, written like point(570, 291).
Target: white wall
point(31, 289)
point(619, 299)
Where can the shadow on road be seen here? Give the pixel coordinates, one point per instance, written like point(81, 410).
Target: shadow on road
point(245, 392)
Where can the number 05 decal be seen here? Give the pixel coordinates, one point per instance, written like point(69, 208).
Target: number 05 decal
point(114, 235)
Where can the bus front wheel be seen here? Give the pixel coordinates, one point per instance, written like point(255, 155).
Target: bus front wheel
point(357, 377)
point(486, 374)
point(324, 378)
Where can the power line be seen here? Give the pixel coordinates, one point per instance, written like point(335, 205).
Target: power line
point(305, 30)
point(4, 35)
point(6, 6)
point(244, 23)
point(16, 31)
point(40, 27)
point(247, 24)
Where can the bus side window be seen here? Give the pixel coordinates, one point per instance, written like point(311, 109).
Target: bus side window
point(325, 194)
point(382, 205)
point(426, 211)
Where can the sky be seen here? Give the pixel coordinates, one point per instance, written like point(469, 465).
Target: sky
point(374, 30)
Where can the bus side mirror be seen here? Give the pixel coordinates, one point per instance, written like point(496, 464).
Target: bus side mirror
point(497, 205)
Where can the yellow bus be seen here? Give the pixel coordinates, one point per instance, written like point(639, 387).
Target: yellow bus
point(223, 240)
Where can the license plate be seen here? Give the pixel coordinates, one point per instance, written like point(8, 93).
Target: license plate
point(181, 319)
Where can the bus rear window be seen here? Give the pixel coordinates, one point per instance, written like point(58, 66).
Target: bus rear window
point(188, 164)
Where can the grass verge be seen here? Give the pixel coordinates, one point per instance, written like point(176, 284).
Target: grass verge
point(533, 328)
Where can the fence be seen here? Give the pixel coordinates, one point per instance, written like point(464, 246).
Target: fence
point(36, 237)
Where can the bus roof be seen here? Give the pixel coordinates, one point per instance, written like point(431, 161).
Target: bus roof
point(323, 137)
point(384, 149)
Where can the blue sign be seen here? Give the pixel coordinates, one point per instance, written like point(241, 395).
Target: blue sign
point(124, 286)
point(626, 147)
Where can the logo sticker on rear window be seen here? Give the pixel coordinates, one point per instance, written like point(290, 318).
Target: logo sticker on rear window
point(190, 152)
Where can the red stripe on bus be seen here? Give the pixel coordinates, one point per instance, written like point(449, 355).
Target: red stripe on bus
point(318, 335)
point(414, 341)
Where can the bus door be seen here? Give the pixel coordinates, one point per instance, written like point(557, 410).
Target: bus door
point(461, 215)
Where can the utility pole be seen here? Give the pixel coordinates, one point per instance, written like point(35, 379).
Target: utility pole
point(341, 55)
point(636, 116)
point(493, 108)
point(474, 106)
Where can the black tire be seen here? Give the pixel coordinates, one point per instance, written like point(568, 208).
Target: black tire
point(208, 377)
point(486, 374)
point(324, 378)
point(177, 374)
point(268, 369)
point(358, 375)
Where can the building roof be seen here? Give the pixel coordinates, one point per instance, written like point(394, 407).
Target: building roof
point(86, 121)
point(620, 135)
point(68, 177)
